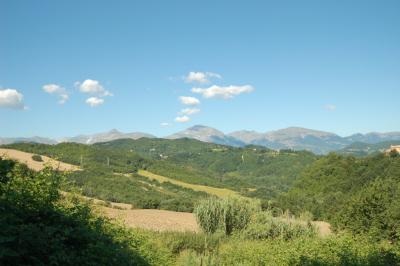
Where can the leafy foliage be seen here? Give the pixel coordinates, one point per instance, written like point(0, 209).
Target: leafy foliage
point(341, 250)
point(41, 228)
point(197, 162)
point(236, 213)
point(208, 214)
point(111, 175)
point(231, 213)
point(360, 195)
point(264, 226)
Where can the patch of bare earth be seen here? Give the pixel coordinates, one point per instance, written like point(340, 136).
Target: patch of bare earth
point(26, 158)
point(324, 228)
point(157, 220)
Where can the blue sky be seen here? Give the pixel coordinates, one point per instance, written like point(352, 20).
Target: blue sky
point(327, 65)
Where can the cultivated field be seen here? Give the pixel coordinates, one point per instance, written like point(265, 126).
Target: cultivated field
point(157, 220)
point(26, 158)
point(219, 192)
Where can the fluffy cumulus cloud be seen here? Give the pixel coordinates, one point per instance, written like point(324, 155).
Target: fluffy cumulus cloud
point(201, 77)
point(94, 101)
point(223, 92)
point(330, 107)
point(57, 90)
point(189, 111)
point(182, 119)
point(10, 98)
point(187, 100)
point(93, 87)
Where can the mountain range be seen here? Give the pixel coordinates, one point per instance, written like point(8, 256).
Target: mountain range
point(295, 138)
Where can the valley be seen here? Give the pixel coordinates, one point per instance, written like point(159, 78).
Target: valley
point(161, 191)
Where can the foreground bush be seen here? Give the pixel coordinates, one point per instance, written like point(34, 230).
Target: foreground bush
point(208, 214)
point(264, 226)
point(342, 250)
point(201, 243)
point(236, 213)
point(229, 214)
point(38, 227)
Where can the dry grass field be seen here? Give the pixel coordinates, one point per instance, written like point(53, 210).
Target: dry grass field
point(26, 158)
point(157, 220)
point(219, 192)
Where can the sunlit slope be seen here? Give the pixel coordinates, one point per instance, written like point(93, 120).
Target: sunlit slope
point(219, 192)
point(26, 158)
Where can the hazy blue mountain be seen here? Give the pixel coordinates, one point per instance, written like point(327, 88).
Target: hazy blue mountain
point(207, 134)
point(296, 138)
point(106, 136)
point(360, 149)
point(26, 140)
point(374, 137)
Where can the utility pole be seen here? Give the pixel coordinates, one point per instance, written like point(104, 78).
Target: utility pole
point(108, 161)
point(81, 161)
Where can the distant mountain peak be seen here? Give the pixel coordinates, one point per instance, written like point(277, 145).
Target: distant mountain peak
point(114, 131)
point(298, 138)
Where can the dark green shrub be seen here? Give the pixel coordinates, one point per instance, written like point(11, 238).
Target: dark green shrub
point(332, 251)
point(37, 158)
point(236, 213)
point(201, 243)
point(264, 226)
point(39, 227)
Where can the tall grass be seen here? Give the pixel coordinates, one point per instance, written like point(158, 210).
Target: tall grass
point(229, 214)
point(264, 226)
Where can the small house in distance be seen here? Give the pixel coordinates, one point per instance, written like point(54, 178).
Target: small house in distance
point(393, 148)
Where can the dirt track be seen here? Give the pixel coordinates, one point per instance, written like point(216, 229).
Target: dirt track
point(26, 157)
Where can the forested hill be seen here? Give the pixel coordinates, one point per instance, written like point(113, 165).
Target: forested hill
point(268, 171)
point(361, 194)
point(265, 172)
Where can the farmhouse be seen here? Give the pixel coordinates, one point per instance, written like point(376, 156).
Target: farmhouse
point(393, 148)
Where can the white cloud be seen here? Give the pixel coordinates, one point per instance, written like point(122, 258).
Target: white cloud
point(58, 90)
point(182, 119)
point(92, 87)
point(223, 92)
point(330, 107)
point(187, 100)
point(201, 77)
point(10, 98)
point(165, 124)
point(94, 101)
point(189, 111)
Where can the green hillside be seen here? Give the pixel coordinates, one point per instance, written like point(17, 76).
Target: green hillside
point(110, 175)
point(361, 195)
point(268, 171)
